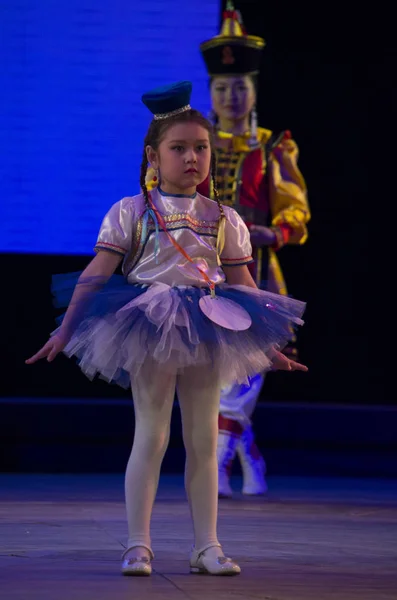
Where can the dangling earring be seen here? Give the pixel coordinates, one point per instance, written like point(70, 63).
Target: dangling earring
point(152, 178)
point(254, 127)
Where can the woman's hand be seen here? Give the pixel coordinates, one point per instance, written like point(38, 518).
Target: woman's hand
point(262, 236)
point(51, 349)
point(283, 363)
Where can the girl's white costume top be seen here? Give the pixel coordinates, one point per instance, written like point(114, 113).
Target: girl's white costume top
point(192, 222)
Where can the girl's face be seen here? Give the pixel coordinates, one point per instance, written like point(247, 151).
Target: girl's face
point(233, 97)
point(183, 158)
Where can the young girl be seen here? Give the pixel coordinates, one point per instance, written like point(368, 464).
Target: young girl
point(186, 316)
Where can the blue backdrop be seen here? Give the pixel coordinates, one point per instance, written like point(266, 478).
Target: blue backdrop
point(71, 120)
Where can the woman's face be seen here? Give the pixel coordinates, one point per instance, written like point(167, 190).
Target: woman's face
point(233, 96)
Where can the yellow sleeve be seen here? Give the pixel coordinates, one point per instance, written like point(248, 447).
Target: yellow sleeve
point(288, 194)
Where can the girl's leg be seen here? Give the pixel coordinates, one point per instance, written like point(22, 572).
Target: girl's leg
point(199, 396)
point(153, 395)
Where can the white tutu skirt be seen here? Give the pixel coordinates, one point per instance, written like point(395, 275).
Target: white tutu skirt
point(119, 326)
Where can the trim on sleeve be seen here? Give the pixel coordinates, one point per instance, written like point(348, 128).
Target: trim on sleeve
point(110, 248)
point(236, 262)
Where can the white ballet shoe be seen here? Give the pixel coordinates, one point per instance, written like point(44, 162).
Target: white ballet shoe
point(220, 565)
point(137, 565)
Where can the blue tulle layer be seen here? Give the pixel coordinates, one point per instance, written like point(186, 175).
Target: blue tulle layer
point(118, 326)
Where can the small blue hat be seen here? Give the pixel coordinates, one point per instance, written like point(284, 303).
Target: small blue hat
point(168, 100)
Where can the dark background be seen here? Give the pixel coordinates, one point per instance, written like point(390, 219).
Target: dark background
point(317, 80)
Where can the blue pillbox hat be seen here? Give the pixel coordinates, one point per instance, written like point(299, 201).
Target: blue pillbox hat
point(168, 100)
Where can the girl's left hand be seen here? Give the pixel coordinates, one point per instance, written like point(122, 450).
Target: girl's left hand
point(262, 236)
point(283, 363)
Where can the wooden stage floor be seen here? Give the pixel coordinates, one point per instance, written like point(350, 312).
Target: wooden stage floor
point(61, 537)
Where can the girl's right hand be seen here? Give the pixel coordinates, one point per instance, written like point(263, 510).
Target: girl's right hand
point(51, 349)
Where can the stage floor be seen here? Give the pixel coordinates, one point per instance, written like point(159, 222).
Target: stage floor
point(61, 537)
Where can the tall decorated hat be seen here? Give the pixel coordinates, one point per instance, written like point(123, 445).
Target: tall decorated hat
point(232, 52)
point(168, 100)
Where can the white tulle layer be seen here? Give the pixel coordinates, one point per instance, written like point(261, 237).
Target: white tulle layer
point(166, 324)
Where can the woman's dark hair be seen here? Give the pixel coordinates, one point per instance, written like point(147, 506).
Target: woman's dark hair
point(254, 79)
point(155, 134)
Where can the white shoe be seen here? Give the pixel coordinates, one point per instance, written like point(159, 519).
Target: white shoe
point(138, 565)
point(252, 464)
point(226, 452)
point(221, 565)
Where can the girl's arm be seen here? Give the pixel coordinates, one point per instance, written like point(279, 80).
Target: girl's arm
point(102, 266)
point(241, 276)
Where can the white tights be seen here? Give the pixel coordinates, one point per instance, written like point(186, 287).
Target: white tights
point(153, 394)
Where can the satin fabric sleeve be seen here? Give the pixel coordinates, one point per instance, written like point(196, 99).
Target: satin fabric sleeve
point(115, 234)
point(288, 194)
point(237, 250)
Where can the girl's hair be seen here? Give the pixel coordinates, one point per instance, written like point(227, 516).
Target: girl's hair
point(155, 134)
